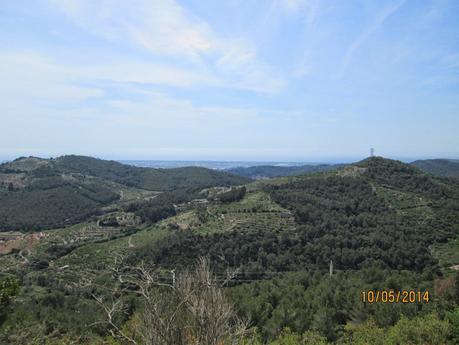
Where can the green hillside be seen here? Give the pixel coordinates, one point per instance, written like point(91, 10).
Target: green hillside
point(64, 204)
point(38, 193)
point(382, 223)
point(377, 212)
point(146, 178)
point(439, 167)
point(270, 171)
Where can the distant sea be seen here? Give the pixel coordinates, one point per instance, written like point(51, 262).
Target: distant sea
point(217, 165)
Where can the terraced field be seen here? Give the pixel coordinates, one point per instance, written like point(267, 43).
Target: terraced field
point(407, 205)
point(255, 212)
point(255, 201)
point(99, 255)
point(447, 253)
point(50, 245)
point(341, 217)
point(92, 248)
point(248, 221)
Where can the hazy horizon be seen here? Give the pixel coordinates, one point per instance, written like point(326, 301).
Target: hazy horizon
point(244, 162)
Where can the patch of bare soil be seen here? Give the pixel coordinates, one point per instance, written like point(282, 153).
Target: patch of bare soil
point(351, 171)
point(17, 180)
point(16, 240)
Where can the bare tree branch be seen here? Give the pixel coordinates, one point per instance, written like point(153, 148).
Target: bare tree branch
point(190, 311)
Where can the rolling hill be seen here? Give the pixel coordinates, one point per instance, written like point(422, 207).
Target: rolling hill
point(271, 171)
point(146, 178)
point(384, 225)
point(375, 211)
point(439, 167)
point(40, 193)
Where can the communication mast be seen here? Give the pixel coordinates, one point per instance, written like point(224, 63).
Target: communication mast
point(372, 152)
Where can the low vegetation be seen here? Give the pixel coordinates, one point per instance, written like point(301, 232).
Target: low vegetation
point(289, 258)
point(270, 171)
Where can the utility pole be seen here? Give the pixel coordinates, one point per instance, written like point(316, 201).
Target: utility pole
point(331, 268)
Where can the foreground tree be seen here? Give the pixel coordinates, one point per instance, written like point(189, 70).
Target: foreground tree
point(189, 310)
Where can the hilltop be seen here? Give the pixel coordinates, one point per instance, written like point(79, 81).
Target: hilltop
point(145, 178)
point(439, 167)
point(38, 193)
point(355, 212)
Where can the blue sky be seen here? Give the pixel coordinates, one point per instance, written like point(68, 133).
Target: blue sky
point(288, 80)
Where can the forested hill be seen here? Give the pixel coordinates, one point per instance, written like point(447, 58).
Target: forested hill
point(40, 193)
point(379, 221)
point(271, 171)
point(375, 212)
point(146, 178)
point(439, 167)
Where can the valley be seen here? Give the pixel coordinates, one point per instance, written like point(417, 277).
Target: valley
point(375, 220)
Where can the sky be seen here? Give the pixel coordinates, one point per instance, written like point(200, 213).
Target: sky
point(276, 80)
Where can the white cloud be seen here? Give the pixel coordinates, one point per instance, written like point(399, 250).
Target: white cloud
point(165, 29)
point(30, 78)
point(44, 102)
point(308, 9)
point(451, 61)
point(153, 123)
point(36, 78)
point(303, 67)
point(386, 12)
point(292, 5)
point(162, 112)
point(43, 93)
point(160, 26)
